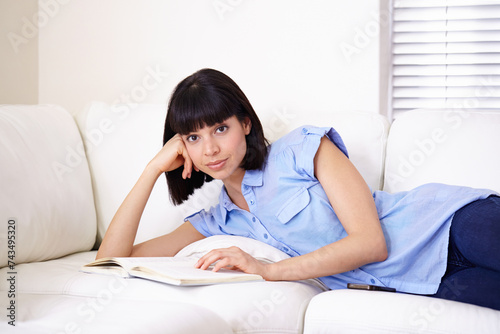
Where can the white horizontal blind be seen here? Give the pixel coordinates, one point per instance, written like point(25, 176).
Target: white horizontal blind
point(445, 54)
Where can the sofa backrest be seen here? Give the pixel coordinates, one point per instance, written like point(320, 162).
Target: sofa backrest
point(46, 201)
point(444, 146)
point(122, 139)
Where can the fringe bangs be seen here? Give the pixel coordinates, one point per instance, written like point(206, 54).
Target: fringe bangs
point(198, 107)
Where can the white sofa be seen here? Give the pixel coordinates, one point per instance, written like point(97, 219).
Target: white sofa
point(56, 202)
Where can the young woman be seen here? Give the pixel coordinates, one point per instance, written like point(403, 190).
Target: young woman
point(303, 196)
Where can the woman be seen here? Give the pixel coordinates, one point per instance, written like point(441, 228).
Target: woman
point(303, 196)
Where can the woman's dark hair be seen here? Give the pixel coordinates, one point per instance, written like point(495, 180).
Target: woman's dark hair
point(206, 98)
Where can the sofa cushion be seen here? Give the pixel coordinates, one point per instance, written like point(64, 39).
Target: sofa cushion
point(444, 146)
point(46, 200)
point(58, 314)
point(356, 311)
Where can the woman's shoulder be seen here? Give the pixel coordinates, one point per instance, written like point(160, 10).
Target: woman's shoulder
point(294, 137)
point(303, 134)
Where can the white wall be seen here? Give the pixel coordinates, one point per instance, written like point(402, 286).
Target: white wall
point(18, 52)
point(292, 55)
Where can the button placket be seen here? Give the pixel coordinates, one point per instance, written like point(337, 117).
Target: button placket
point(249, 196)
point(259, 228)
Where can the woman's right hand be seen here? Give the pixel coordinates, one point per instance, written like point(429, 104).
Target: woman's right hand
point(173, 155)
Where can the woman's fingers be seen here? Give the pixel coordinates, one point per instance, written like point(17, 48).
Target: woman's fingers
point(173, 155)
point(210, 258)
point(228, 257)
point(188, 165)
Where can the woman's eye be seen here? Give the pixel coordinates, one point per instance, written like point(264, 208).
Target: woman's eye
point(192, 138)
point(221, 129)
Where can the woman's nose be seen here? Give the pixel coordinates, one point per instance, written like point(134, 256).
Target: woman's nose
point(211, 147)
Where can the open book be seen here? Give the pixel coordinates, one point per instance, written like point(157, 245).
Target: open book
point(170, 270)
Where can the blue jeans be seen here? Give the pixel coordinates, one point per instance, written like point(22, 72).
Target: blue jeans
point(473, 271)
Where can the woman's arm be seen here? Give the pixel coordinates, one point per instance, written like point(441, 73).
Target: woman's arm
point(353, 203)
point(120, 235)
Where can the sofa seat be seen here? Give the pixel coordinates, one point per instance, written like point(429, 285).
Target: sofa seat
point(357, 311)
point(60, 313)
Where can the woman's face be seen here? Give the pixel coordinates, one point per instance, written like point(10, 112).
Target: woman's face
point(218, 150)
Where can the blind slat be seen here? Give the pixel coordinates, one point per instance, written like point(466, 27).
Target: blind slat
point(443, 25)
point(449, 81)
point(463, 103)
point(443, 36)
point(416, 70)
point(448, 59)
point(441, 3)
point(446, 13)
point(432, 48)
point(448, 92)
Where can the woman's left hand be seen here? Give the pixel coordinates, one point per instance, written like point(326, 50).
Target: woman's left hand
point(233, 258)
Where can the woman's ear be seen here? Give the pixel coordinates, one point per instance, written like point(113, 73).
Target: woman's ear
point(247, 125)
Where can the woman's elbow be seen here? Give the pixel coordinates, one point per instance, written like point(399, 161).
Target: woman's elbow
point(380, 252)
point(382, 255)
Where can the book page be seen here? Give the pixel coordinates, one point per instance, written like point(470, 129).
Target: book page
point(171, 270)
point(181, 271)
point(121, 265)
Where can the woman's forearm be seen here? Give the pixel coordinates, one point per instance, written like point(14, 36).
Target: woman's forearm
point(344, 255)
point(120, 235)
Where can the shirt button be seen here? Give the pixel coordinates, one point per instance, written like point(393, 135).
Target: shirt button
point(304, 130)
point(372, 280)
point(285, 249)
point(252, 201)
point(265, 236)
point(253, 219)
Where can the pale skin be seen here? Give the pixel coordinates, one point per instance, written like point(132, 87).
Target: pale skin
point(218, 151)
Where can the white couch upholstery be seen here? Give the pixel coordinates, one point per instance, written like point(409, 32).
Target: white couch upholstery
point(61, 199)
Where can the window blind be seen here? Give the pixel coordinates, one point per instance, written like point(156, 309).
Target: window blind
point(445, 54)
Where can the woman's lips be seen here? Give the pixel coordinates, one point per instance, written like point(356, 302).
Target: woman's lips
point(216, 165)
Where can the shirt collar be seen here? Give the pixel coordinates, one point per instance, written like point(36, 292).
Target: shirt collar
point(253, 178)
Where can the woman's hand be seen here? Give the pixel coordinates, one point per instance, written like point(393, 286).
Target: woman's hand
point(234, 258)
point(173, 155)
